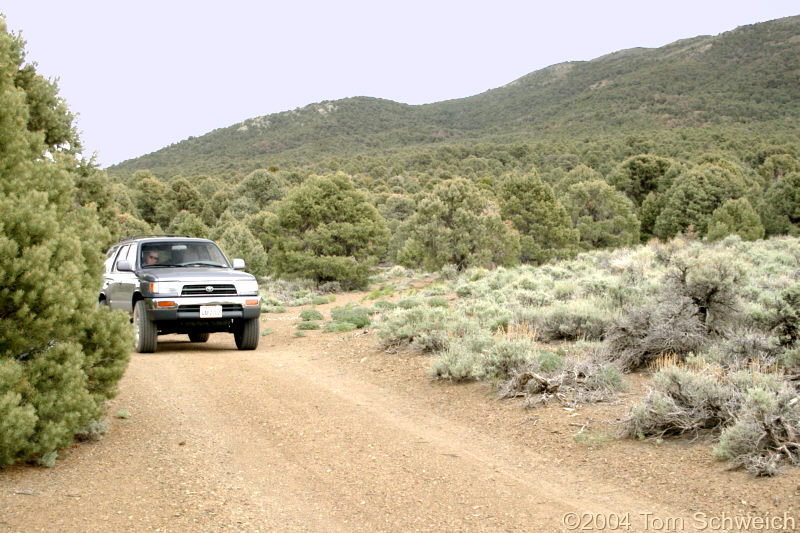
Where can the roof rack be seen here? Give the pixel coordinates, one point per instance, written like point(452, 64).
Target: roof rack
point(149, 235)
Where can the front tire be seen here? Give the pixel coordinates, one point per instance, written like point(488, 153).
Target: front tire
point(246, 336)
point(145, 333)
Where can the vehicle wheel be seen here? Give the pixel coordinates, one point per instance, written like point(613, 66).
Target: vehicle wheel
point(145, 333)
point(199, 336)
point(246, 336)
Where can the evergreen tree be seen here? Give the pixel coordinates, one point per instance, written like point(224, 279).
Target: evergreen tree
point(60, 356)
point(326, 230)
point(603, 216)
point(639, 175)
point(545, 229)
point(261, 187)
point(735, 217)
point(155, 201)
point(578, 174)
point(782, 206)
point(186, 196)
point(776, 167)
point(237, 241)
point(458, 224)
point(695, 195)
point(186, 223)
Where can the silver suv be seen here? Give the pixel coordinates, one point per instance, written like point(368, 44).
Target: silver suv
point(175, 284)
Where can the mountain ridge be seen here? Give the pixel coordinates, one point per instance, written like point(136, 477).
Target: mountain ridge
point(748, 75)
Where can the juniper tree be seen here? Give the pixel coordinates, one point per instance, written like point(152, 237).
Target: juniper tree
point(237, 241)
point(60, 356)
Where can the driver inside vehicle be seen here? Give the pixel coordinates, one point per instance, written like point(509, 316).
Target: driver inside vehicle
point(151, 257)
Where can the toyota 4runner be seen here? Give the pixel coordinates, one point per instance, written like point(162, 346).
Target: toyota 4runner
point(174, 284)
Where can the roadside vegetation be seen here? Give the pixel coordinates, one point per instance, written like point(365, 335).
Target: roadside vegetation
point(716, 324)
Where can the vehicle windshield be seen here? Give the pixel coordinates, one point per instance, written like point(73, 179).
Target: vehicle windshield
point(181, 254)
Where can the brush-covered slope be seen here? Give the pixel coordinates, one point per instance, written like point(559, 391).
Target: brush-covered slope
point(750, 75)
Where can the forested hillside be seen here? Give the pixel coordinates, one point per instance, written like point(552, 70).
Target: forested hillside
point(746, 79)
point(698, 137)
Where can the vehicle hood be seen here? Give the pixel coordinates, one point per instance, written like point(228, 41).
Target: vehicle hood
point(195, 275)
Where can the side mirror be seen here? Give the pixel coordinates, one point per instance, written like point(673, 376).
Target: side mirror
point(124, 266)
point(238, 264)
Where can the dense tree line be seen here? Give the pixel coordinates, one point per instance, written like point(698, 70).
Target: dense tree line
point(480, 205)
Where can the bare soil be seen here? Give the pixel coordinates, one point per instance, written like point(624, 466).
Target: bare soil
point(330, 433)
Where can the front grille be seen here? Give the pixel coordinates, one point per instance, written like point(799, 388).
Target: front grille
point(196, 308)
point(202, 290)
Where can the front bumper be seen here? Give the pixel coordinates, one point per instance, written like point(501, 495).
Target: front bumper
point(166, 309)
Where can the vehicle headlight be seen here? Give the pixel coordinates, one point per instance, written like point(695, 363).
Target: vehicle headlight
point(247, 287)
point(166, 288)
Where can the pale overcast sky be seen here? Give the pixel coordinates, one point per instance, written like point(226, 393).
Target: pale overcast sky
point(142, 75)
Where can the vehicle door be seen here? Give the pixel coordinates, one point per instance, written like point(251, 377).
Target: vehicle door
point(122, 283)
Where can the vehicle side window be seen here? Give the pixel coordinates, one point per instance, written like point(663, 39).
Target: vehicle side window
point(123, 254)
point(131, 256)
point(110, 256)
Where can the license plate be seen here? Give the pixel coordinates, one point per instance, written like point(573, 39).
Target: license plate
point(210, 311)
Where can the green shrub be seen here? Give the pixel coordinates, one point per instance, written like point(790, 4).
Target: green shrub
point(409, 302)
point(507, 356)
point(463, 358)
point(339, 327)
point(572, 320)
point(386, 291)
point(383, 305)
point(359, 316)
point(425, 328)
point(310, 314)
point(308, 325)
point(437, 302)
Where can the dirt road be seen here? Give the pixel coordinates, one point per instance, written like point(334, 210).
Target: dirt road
point(329, 433)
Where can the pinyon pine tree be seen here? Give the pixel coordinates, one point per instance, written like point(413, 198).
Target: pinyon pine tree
point(458, 224)
point(60, 356)
point(326, 230)
point(545, 228)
